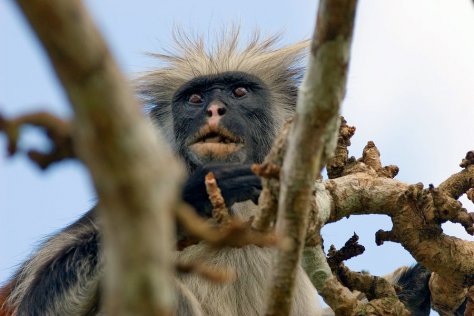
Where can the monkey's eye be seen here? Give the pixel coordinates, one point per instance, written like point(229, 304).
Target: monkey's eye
point(239, 92)
point(195, 98)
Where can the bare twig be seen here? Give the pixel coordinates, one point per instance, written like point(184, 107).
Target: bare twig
point(335, 166)
point(371, 158)
point(234, 234)
point(212, 274)
point(219, 209)
point(468, 160)
point(267, 170)
point(135, 175)
point(461, 182)
point(351, 249)
point(312, 138)
point(380, 293)
point(446, 209)
point(57, 130)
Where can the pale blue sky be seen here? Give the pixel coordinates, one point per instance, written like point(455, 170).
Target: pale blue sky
point(410, 91)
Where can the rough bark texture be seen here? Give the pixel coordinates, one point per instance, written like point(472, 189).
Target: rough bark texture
point(312, 139)
point(416, 225)
point(447, 294)
point(362, 193)
point(134, 174)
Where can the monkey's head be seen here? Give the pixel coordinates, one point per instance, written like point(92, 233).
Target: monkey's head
point(225, 103)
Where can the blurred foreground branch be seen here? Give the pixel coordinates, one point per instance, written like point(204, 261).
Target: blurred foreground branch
point(134, 174)
point(57, 130)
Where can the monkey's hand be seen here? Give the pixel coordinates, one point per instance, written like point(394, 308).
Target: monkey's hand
point(237, 183)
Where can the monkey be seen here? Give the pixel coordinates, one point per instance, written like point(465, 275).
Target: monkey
point(220, 110)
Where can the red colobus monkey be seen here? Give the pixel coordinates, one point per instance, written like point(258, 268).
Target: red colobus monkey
point(220, 110)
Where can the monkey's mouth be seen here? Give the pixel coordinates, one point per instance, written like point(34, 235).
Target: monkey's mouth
point(215, 142)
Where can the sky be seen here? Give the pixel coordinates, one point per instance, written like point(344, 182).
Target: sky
point(410, 90)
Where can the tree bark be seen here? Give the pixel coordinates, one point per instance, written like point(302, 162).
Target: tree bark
point(312, 139)
point(134, 174)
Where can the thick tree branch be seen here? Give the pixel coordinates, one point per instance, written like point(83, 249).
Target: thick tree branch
point(135, 176)
point(312, 138)
point(410, 208)
point(447, 294)
point(416, 221)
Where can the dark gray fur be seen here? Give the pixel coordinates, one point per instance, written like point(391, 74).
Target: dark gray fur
point(62, 277)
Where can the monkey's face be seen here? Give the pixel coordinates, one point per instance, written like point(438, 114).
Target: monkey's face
point(225, 117)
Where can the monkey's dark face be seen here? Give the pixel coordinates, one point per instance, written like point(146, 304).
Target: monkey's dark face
point(225, 117)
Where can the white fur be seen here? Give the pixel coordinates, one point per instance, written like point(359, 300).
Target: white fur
point(253, 266)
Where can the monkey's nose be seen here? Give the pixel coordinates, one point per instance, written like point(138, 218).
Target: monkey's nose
point(216, 110)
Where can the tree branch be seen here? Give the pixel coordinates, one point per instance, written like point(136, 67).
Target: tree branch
point(57, 130)
point(134, 174)
point(461, 182)
point(417, 215)
point(312, 139)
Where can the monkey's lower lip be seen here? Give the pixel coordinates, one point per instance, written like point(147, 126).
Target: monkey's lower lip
point(215, 142)
point(215, 149)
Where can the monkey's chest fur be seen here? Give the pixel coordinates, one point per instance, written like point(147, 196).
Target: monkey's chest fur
point(248, 293)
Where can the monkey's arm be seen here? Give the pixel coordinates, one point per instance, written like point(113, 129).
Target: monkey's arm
point(62, 277)
point(237, 183)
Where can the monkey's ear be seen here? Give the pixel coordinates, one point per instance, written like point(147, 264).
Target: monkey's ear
point(237, 183)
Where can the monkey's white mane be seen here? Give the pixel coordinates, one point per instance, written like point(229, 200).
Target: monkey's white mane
point(279, 68)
